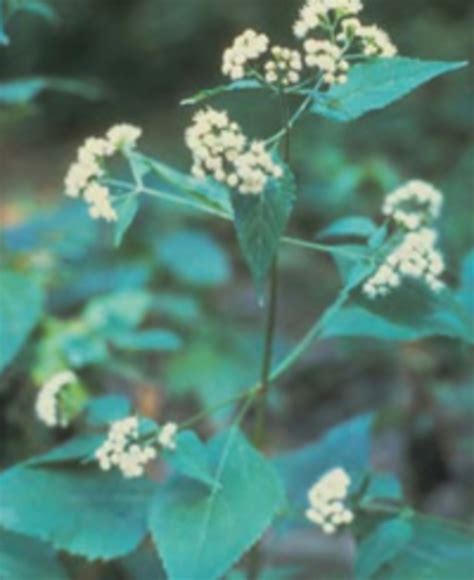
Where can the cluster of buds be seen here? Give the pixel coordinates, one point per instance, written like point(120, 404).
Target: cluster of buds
point(284, 67)
point(84, 175)
point(413, 205)
point(317, 14)
point(221, 150)
point(247, 48)
point(49, 408)
point(372, 40)
point(326, 500)
point(416, 257)
point(124, 447)
point(328, 58)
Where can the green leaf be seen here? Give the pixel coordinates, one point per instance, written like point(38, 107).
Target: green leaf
point(147, 340)
point(201, 533)
point(119, 310)
point(349, 227)
point(22, 558)
point(25, 90)
point(260, 220)
point(410, 313)
point(241, 85)
point(127, 211)
point(383, 486)
point(21, 305)
point(438, 550)
point(37, 7)
point(190, 458)
point(195, 257)
point(77, 450)
point(381, 546)
point(179, 308)
point(205, 195)
point(375, 84)
point(347, 445)
point(80, 510)
point(103, 410)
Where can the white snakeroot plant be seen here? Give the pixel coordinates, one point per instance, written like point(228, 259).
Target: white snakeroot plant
point(340, 69)
point(49, 408)
point(326, 500)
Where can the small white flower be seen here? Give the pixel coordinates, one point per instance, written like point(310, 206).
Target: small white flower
point(284, 67)
point(48, 407)
point(413, 204)
point(123, 449)
point(167, 436)
point(221, 150)
point(315, 12)
point(123, 136)
point(326, 501)
point(328, 58)
point(247, 47)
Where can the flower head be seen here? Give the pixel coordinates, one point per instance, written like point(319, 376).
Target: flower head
point(284, 66)
point(221, 150)
point(326, 499)
point(167, 436)
point(85, 174)
point(247, 47)
point(124, 450)
point(48, 402)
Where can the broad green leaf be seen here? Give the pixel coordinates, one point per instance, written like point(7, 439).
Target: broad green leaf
point(381, 546)
point(383, 486)
point(102, 410)
point(349, 227)
point(201, 533)
point(376, 84)
point(80, 449)
point(347, 445)
point(410, 313)
point(438, 550)
point(241, 85)
point(190, 458)
point(194, 257)
point(127, 211)
point(22, 91)
point(181, 188)
point(260, 220)
point(21, 305)
point(81, 510)
point(147, 340)
point(22, 558)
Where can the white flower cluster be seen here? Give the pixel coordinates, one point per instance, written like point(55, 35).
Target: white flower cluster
point(83, 177)
point(373, 40)
point(48, 404)
point(221, 150)
point(328, 58)
point(123, 449)
point(414, 204)
point(416, 257)
point(317, 12)
point(167, 436)
point(248, 46)
point(326, 498)
point(284, 66)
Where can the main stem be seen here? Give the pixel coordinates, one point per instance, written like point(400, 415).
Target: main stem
point(260, 426)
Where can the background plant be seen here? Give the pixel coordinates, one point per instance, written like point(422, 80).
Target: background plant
point(96, 337)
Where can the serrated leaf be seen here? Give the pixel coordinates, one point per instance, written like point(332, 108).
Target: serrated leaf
point(103, 410)
point(195, 257)
point(381, 546)
point(374, 85)
point(127, 211)
point(81, 510)
point(24, 90)
point(346, 445)
point(438, 550)
point(241, 85)
point(22, 558)
point(260, 220)
point(349, 227)
point(21, 305)
point(201, 533)
point(190, 458)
